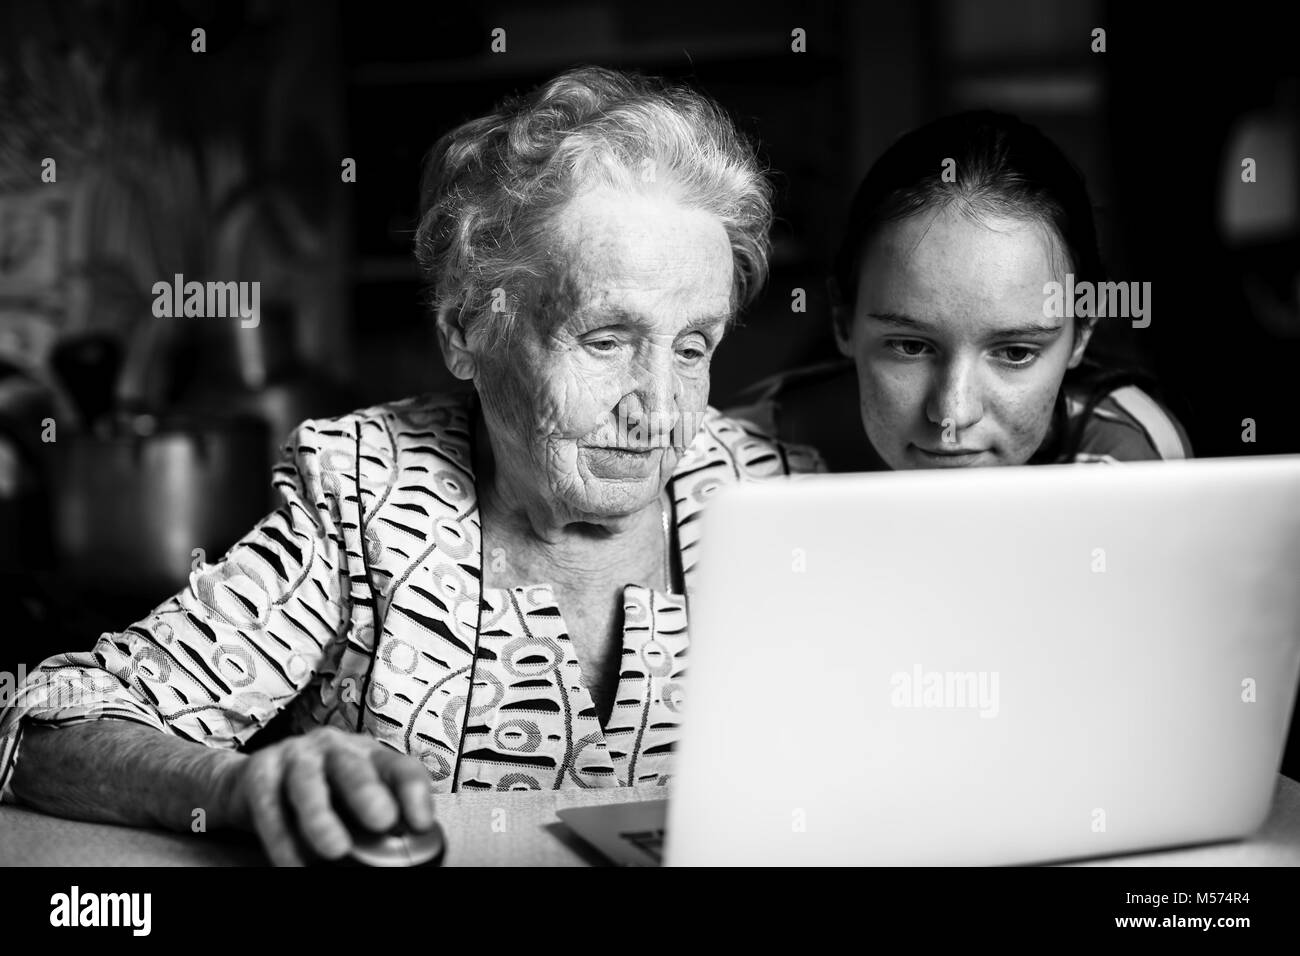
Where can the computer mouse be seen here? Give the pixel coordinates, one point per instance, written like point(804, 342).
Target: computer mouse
point(397, 849)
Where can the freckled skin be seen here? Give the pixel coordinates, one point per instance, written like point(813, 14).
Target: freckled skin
point(965, 279)
point(574, 370)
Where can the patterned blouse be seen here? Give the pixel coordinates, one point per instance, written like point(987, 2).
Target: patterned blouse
point(358, 604)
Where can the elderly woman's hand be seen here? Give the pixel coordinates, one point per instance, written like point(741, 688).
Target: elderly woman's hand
point(297, 794)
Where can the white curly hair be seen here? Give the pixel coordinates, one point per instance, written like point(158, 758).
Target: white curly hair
point(492, 185)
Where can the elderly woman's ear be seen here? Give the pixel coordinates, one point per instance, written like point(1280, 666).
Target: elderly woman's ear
point(456, 349)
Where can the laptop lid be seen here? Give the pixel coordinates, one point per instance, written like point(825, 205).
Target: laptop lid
point(993, 666)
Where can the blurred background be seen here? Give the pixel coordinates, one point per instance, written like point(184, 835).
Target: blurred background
point(129, 441)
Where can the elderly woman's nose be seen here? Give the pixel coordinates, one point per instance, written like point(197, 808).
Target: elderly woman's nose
point(653, 396)
point(956, 395)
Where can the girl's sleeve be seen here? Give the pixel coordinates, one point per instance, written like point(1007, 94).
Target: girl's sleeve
point(1129, 425)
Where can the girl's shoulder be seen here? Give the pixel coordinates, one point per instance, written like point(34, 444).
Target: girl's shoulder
point(1125, 424)
point(814, 406)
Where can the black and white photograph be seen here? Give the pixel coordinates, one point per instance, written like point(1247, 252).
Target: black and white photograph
point(708, 433)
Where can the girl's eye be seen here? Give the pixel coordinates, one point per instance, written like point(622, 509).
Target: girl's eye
point(908, 348)
point(1019, 356)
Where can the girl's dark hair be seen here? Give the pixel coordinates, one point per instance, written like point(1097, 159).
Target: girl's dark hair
point(1001, 166)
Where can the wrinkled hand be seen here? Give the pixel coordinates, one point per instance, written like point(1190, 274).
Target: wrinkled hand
point(291, 794)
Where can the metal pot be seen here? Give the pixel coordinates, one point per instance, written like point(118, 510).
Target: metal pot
point(131, 509)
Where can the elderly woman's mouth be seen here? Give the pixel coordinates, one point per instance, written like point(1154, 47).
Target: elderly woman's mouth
point(620, 462)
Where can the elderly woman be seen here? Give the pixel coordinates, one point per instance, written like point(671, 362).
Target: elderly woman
point(461, 593)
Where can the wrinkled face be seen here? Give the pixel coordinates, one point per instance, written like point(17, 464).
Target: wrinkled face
point(957, 365)
point(601, 390)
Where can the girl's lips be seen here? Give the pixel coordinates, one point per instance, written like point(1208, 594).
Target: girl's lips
point(952, 451)
point(948, 458)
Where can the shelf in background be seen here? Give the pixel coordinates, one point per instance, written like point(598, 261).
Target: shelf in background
point(386, 269)
point(1074, 91)
point(529, 64)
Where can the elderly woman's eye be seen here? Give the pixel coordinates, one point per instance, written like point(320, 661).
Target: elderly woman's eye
point(603, 345)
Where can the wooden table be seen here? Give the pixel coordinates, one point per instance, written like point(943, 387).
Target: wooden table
point(516, 829)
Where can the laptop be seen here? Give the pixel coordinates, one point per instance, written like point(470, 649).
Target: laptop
point(999, 666)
